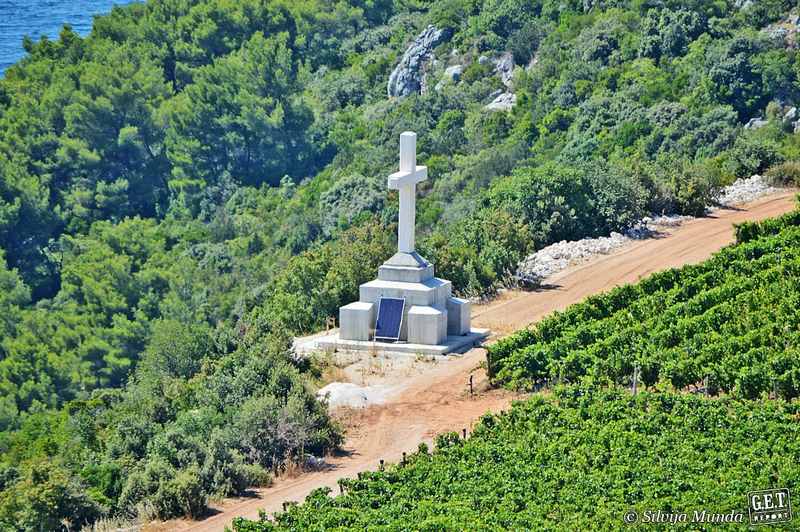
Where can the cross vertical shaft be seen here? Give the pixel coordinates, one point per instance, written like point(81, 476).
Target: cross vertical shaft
point(408, 200)
point(405, 182)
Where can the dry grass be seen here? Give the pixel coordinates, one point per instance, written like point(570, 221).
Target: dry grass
point(374, 366)
point(145, 513)
point(331, 366)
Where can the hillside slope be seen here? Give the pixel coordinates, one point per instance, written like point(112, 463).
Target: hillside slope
point(590, 454)
point(435, 402)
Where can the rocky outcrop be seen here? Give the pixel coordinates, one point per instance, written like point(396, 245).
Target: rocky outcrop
point(503, 102)
point(785, 31)
point(756, 123)
point(504, 66)
point(407, 77)
point(452, 74)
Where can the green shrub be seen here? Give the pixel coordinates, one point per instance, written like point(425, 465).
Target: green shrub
point(784, 174)
point(752, 155)
point(476, 71)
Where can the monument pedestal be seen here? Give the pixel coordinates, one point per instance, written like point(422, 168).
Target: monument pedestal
point(434, 322)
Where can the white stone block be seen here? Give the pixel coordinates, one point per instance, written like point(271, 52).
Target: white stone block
point(356, 321)
point(405, 274)
point(427, 325)
point(433, 292)
point(458, 316)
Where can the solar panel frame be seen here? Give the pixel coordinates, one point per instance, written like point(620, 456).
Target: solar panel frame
point(380, 333)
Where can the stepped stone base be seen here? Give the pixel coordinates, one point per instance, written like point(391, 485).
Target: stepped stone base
point(406, 268)
point(450, 345)
point(432, 317)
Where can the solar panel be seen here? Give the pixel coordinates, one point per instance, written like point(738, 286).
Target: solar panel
point(390, 317)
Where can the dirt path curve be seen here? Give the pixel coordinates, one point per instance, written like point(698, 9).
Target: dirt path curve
point(438, 401)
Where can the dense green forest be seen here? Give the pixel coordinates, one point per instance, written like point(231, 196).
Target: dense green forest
point(198, 180)
point(578, 460)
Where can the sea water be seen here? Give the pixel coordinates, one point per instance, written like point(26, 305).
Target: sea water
point(36, 18)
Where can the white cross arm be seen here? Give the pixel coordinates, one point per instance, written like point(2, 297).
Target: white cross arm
point(402, 179)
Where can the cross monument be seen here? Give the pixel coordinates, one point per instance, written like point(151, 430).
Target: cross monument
point(407, 308)
point(405, 181)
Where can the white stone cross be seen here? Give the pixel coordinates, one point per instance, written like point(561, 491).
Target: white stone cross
point(406, 181)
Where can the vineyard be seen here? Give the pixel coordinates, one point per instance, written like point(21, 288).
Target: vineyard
point(731, 323)
point(577, 460)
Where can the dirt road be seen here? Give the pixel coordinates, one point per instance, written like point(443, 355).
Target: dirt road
point(438, 400)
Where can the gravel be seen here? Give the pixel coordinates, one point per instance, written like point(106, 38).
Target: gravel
point(745, 190)
point(535, 268)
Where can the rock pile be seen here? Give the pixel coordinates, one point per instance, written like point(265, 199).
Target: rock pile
point(744, 190)
point(557, 257)
point(407, 77)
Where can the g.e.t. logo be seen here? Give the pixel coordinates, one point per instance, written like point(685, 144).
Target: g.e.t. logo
point(769, 506)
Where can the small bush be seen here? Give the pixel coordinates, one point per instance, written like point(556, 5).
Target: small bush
point(476, 71)
point(752, 155)
point(784, 174)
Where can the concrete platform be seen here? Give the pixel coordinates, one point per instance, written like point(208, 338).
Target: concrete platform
point(332, 342)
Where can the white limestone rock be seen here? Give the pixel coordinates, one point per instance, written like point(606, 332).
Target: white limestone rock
point(744, 190)
point(452, 74)
point(537, 267)
point(504, 66)
point(494, 94)
point(503, 102)
point(784, 32)
point(347, 394)
point(756, 123)
point(407, 77)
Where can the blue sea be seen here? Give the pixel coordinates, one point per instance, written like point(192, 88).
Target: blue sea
point(44, 17)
